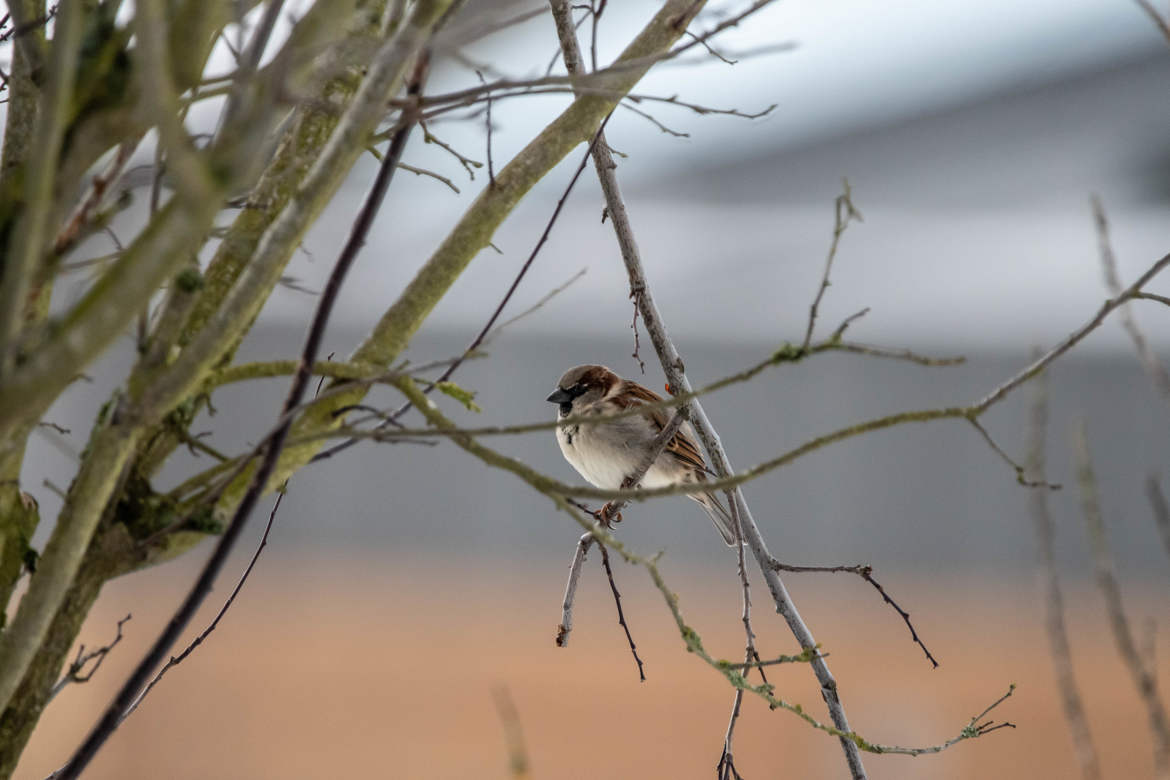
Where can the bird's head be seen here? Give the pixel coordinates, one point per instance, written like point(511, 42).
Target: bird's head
point(581, 386)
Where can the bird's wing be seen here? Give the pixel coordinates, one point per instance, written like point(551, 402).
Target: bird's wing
point(681, 446)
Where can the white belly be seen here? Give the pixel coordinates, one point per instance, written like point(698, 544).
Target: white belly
point(606, 454)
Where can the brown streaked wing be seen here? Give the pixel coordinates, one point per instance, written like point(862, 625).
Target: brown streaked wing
point(680, 446)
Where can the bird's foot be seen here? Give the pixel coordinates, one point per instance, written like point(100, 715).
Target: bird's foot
point(607, 516)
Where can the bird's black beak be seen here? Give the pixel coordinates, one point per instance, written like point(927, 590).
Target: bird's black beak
point(560, 396)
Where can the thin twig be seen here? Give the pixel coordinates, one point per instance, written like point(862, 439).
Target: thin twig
point(1143, 678)
point(1072, 339)
point(1160, 509)
point(426, 172)
point(654, 120)
point(844, 212)
point(1146, 354)
point(1157, 18)
point(83, 213)
point(75, 673)
point(1021, 472)
point(175, 660)
point(617, 600)
point(866, 573)
point(1145, 296)
point(468, 164)
point(726, 767)
point(710, 49)
point(488, 126)
point(1049, 581)
point(636, 354)
point(486, 93)
point(548, 296)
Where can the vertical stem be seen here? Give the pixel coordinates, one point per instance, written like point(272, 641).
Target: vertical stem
point(1142, 674)
point(30, 236)
point(672, 365)
point(1058, 644)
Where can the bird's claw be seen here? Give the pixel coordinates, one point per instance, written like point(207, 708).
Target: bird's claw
point(607, 517)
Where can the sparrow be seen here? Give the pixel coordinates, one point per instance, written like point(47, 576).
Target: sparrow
point(606, 453)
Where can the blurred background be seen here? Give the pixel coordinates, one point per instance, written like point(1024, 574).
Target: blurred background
point(405, 586)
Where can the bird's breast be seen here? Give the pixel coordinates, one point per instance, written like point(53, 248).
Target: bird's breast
point(597, 454)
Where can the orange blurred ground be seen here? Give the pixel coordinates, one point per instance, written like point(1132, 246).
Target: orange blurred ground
point(329, 668)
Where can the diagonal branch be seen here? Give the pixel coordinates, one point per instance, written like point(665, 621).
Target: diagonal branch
point(1146, 354)
point(1038, 365)
point(194, 644)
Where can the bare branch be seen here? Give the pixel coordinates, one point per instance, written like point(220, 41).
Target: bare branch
point(654, 121)
point(468, 164)
point(726, 767)
point(844, 212)
point(548, 296)
point(83, 214)
point(488, 126)
point(1145, 296)
point(710, 49)
point(76, 672)
point(866, 573)
point(1021, 472)
point(432, 174)
point(565, 627)
point(1149, 359)
point(1072, 339)
point(192, 178)
point(468, 98)
point(175, 660)
point(617, 600)
point(1143, 678)
point(1157, 18)
point(1160, 509)
point(29, 235)
point(1058, 644)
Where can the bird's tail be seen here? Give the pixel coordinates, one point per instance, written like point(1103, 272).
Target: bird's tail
point(722, 519)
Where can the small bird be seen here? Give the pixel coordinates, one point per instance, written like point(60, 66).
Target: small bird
point(606, 453)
